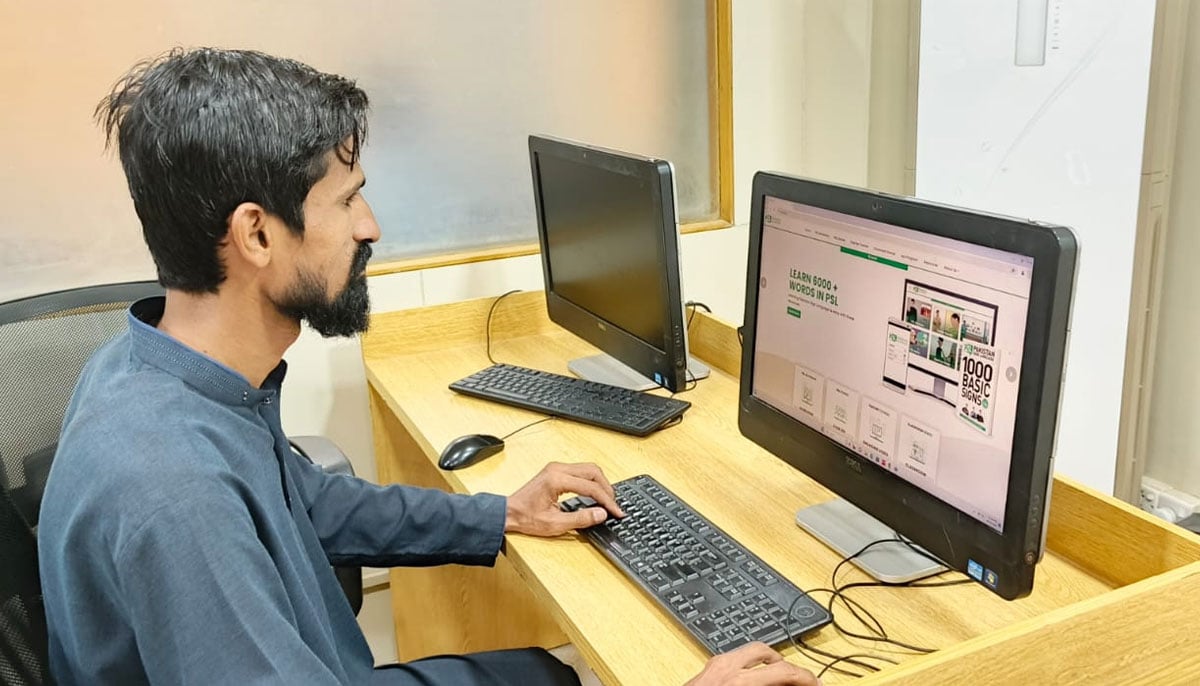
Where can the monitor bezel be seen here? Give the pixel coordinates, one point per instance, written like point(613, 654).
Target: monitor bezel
point(667, 367)
point(953, 536)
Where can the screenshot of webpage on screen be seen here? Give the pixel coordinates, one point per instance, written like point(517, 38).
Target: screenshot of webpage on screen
point(904, 347)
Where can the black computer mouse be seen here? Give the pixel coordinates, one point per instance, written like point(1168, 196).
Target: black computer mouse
point(465, 451)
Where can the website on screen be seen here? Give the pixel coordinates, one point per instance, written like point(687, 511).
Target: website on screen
point(904, 347)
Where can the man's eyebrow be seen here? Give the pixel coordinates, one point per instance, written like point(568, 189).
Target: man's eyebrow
point(357, 187)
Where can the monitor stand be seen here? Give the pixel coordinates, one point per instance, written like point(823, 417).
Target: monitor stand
point(609, 370)
point(847, 529)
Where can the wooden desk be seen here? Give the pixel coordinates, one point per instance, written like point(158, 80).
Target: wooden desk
point(1116, 600)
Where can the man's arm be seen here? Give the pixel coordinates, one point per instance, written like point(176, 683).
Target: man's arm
point(205, 600)
point(385, 526)
point(361, 523)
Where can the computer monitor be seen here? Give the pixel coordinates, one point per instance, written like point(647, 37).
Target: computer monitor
point(610, 257)
point(909, 356)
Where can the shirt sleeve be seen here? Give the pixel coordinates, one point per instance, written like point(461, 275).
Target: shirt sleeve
point(360, 523)
point(206, 601)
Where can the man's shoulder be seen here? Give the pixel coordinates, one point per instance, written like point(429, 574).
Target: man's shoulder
point(136, 433)
point(117, 379)
point(122, 400)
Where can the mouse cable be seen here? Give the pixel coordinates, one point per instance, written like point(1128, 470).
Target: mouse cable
point(854, 659)
point(693, 304)
point(534, 423)
point(836, 594)
point(488, 327)
point(862, 614)
point(673, 422)
point(690, 378)
point(874, 626)
point(805, 649)
point(881, 636)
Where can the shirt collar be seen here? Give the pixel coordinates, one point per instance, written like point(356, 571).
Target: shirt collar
point(206, 375)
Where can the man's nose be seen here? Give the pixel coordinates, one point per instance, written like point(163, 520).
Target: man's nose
point(366, 228)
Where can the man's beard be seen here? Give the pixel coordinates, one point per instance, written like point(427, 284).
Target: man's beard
point(346, 315)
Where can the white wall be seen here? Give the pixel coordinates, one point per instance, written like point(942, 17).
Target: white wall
point(1061, 142)
point(767, 87)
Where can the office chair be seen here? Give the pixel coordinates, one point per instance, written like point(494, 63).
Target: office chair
point(44, 342)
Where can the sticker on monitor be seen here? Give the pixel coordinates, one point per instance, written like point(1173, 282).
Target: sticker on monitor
point(977, 385)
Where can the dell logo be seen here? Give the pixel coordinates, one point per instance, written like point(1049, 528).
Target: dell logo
point(854, 464)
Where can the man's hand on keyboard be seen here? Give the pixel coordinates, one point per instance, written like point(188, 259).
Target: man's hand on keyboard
point(534, 508)
point(754, 664)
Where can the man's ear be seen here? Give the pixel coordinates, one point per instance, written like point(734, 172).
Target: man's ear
point(250, 235)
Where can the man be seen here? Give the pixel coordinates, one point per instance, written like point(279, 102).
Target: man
point(181, 540)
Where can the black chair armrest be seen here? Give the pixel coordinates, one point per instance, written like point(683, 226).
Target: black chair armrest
point(322, 452)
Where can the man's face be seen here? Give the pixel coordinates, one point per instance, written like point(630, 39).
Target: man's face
point(329, 289)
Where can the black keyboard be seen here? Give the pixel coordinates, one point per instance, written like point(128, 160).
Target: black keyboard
point(719, 591)
point(611, 407)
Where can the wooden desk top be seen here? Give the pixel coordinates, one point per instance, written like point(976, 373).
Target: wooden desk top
point(1096, 544)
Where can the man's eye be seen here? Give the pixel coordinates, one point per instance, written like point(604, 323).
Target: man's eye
point(350, 200)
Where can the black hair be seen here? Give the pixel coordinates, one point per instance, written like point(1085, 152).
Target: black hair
point(201, 131)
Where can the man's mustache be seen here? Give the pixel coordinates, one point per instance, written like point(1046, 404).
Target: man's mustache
point(361, 257)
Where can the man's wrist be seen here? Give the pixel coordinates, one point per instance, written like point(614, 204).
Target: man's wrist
point(511, 521)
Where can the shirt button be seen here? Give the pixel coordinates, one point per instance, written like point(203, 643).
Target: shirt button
point(267, 400)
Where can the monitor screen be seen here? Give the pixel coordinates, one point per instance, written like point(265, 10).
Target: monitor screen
point(609, 242)
point(859, 310)
point(908, 356)
point(603, 246)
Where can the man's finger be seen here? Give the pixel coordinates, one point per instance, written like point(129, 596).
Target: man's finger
point(591, 472)
point(783, 673)
point(564, 482)
point(561, 522)
point(753, 654)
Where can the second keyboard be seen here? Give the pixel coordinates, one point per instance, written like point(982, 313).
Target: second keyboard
point(611, 407)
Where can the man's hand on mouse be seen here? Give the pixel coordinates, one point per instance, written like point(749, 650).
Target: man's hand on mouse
point(534, 509)
point(754, 664)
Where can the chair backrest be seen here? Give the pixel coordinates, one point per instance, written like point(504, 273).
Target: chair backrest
point(23, 658)
point(44, 342)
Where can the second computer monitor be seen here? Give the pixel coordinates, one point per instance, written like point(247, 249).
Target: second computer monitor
point(610, 256)
point(908, 356)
